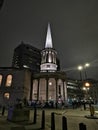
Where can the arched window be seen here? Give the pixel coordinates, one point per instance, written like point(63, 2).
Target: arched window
point(6, 95)
point(0, 79)
point(9, 80)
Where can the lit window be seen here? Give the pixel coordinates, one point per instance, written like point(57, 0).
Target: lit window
point(9, 80)
point(6, 95)
point(0, 80)
point(25, 66)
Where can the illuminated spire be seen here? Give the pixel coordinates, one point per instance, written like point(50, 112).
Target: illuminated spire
point(49, 55)
point(48, 43)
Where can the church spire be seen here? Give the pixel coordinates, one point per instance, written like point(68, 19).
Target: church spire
point(48, 55)
point(48, 43)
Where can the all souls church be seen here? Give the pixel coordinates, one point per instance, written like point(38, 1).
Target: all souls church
point(35, 75)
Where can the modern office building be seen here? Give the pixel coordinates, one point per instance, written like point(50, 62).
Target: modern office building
point(74, 92)
point(27, 56)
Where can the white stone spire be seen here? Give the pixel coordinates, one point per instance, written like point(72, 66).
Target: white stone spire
point(48, 43)
point(48, 55)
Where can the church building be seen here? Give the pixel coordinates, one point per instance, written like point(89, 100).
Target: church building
point(49, 83)
point(41, 80)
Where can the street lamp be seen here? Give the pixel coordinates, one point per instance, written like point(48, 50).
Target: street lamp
point(87, 84)
point(87, 65)
point(80, 67)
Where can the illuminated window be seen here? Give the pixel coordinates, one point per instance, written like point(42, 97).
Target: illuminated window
point(25, 66)
point(9, 80)
point(6, 95)
point(0, 80)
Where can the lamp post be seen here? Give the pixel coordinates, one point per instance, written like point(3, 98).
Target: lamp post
point(80, 67)
point(86, 66)
point(84, 83)
point(83, 67)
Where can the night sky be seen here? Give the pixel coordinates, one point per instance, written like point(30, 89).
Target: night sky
point(74, 28)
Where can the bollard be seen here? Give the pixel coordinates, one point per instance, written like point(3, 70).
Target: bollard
point(3, 110)
point(52, 121)
point(43, 120)
point(64, 123)
point(92, 111)
point(35, 115)
point(82, 126)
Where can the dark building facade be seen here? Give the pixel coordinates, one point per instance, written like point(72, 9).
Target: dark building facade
point(14, 85)
point(1, 4)
point(73, 90)
point(26, 56)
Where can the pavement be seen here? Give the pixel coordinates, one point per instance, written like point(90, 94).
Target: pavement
point(74, 118)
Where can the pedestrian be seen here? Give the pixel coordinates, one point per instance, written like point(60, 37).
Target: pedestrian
point(84, 105)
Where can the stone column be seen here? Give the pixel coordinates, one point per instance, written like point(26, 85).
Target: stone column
point(47, 79)
point(56, 89)
point(65, 88)
point(56, 81)
point(63, 91)
point(31, 89)
point(38, 90)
